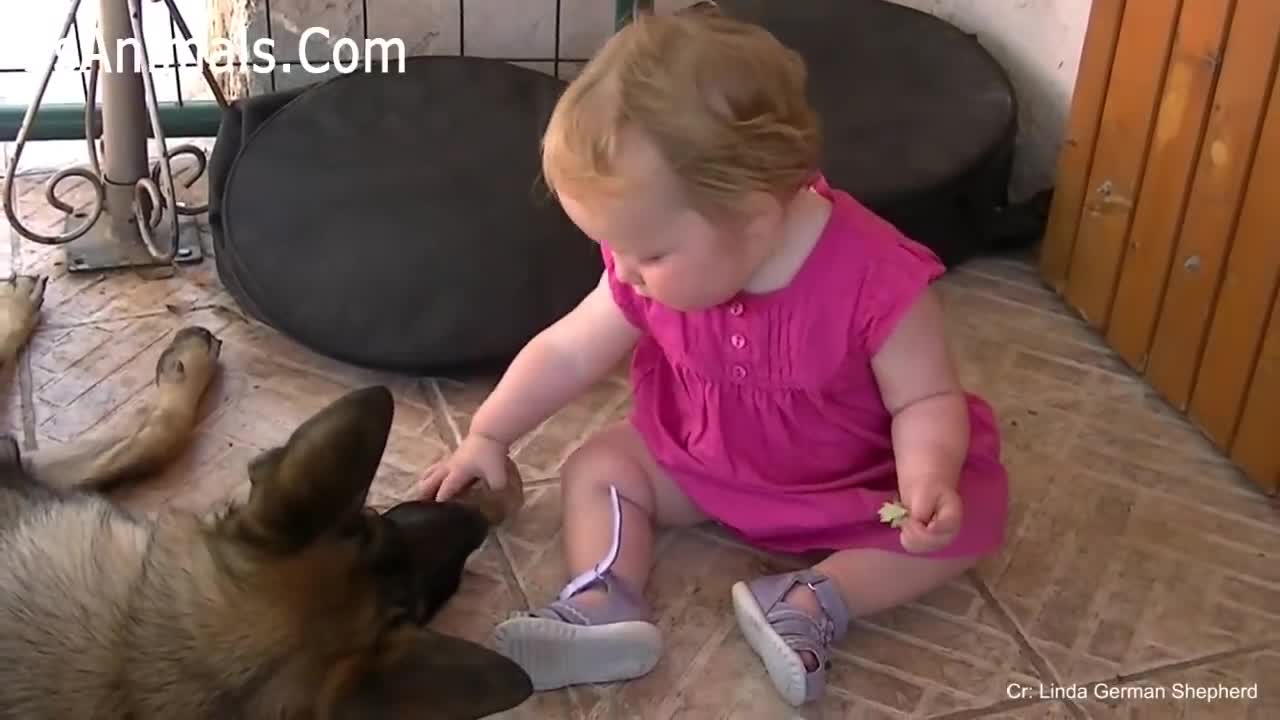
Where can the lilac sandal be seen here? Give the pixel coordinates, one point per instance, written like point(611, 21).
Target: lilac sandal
point(569, 643)
point(780, 632)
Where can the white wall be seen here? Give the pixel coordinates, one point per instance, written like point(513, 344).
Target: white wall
point(1038, 42)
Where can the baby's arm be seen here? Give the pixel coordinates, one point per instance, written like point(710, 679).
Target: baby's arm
point(920, 387)
point(558, 364)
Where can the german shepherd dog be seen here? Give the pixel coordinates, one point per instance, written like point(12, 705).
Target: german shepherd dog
point(300, 603)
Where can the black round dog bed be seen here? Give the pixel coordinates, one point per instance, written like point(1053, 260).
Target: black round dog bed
point(919, 120)
point(395, 221)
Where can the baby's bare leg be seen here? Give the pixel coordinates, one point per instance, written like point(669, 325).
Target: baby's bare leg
point(617, 458)
point(599, 629)
point(874, 580)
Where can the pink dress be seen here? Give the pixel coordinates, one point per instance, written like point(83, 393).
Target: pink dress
point(765, 410)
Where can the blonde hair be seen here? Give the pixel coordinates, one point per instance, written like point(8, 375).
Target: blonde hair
point(723, 101)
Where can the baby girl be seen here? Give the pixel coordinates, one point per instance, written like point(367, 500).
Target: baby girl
point(790, 369)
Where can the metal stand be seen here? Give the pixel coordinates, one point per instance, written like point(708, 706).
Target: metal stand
point(135, 219)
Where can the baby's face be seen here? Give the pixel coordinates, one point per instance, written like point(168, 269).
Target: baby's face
point(671, 255)
point(661, 246)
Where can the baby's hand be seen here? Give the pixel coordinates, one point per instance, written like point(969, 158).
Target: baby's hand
point(477, 459)
point(934, 515)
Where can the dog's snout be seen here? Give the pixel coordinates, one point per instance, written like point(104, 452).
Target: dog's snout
point(443, 526)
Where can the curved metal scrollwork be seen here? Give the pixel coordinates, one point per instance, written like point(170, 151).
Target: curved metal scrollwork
point(153, 195)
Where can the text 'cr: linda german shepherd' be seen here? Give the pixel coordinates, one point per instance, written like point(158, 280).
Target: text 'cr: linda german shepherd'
point(301, 603)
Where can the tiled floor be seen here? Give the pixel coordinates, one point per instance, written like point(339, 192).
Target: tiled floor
point(1136, 557)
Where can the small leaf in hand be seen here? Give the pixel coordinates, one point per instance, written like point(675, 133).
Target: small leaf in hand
point(893, 513)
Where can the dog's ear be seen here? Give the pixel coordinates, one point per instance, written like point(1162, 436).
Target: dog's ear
point(435, 676)
point(320, 478)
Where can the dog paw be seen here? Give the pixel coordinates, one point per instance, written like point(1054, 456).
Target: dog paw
point(21, 298)
point(190, 360)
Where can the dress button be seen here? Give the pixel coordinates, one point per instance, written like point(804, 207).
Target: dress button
point(739, 372)
point(738, 340)
point(736, 308)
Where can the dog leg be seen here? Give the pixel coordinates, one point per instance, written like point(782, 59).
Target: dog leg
point(148, 443)
point(20, 301)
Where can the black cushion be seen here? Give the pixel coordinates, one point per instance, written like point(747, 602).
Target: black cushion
point(919, 119)
point(397, 220)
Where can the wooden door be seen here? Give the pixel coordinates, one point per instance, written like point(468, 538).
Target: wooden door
point(1165, 228)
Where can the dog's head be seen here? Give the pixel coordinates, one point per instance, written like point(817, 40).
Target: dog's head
point(349, 590)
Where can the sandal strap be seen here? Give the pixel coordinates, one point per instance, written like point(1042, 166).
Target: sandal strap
point(590, 577)
point(789, 620)
point(621, 604)
point(806, 644)
point(830, 600)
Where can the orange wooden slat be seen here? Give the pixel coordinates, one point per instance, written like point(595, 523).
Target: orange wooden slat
point(1146, 36)
point(1076, 153)
point(1180, 123)
point(1216, 195)
point(1256, 447)
point(1248, 284)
